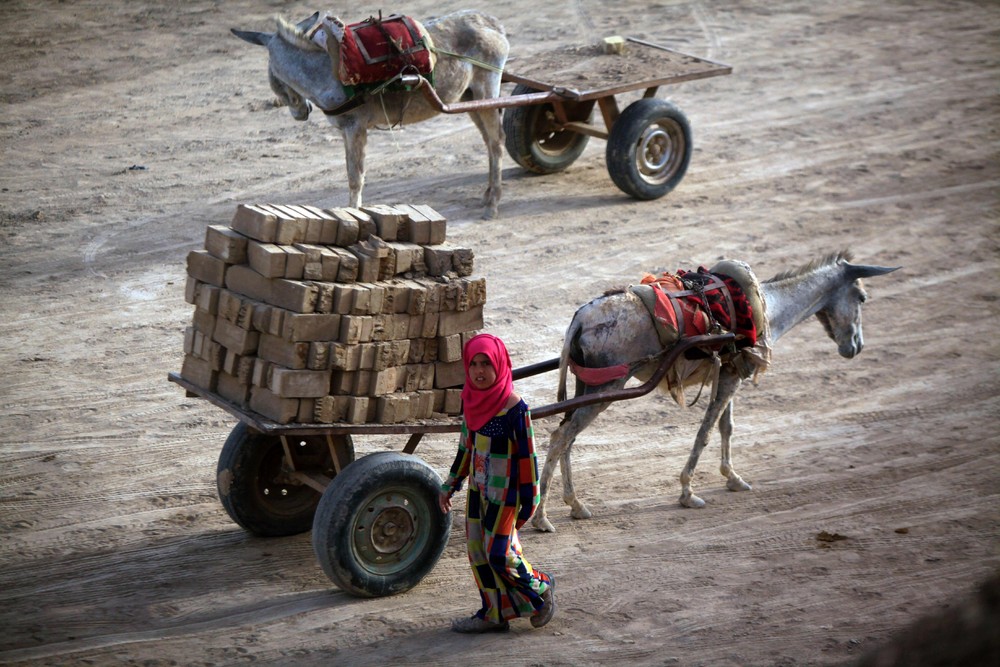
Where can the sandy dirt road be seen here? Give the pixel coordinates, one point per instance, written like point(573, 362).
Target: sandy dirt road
point(127, 127)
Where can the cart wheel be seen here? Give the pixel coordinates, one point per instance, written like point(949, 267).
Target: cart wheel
point(378, 530)
point(533, 140)
point(649, 148)
point(253, 483)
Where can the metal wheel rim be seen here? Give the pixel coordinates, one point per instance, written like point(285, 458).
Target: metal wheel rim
point(277, 496)
point(548, 139)
point(659, 152)
point(390, 531)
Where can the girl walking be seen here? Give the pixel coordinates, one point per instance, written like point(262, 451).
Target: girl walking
point(496, 452)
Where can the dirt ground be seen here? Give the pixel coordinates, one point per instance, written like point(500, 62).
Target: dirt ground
point(127, 127)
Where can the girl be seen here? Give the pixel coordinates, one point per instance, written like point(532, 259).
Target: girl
point(497, 452)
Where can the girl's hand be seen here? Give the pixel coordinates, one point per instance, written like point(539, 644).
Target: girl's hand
point(444, 501)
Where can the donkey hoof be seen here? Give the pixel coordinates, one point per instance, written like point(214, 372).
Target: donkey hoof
point(580, 512)
point(692, 501)
point(737, 484)
point(543, 525)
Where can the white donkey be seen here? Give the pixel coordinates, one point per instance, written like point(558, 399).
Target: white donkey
point(617, 329)
point(471, 50)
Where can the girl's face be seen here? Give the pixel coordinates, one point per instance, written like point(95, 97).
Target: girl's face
point(481, 372)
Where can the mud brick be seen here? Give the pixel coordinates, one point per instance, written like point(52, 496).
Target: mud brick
point(205, 268)
point(329, 409)
point(464, 261)
point(430, 351)
point(416, 326)
point(452, 401)
point(390, 353)
point(376, 297)
point(347, 269)
point(255, 222)
point(295, 263)
point(348, 228)
point(267, 259)
point(449, 348)
point(214, 353)
point(393, 409)
point(275, 408)
point(330, 264)
point(307, 408)
point(319, 356)
point(324, 297)
point(475, 290)
point(416, 228)
point(244, 317)
point(345, 357)
point(416, 350)
point(387, 221)
point(449, 374)
point(397, 297)
point(439, 226)
point(422, 405)
point(430, 328)
point(229, 305)
point(361, 303)
point(290, 383)
point(261, 317)
point(235, 338)
point(226, 244)
point(283, 352)
point(343, 298)
point(208, 298)
point(435, 293)
point(355, 328)
point(230, 362)
point(417, 304)
point(203, 321)
point(460, 321)
point(407, 257)
point(276, 324)
point(357, 410)
point(362, 383)
point(384, 381)
point(189, 340)
point(391, 326)
point(366, 224)
point(366, 360)
point(294, 295)
point(313, 220)
point(261, 371)
point(243, 280)
point(245, 368)
point(192, 287)
point(342, 382)
point(311, 327)
point(381, 327)
point(199, 372)
point(289, 228)
point(368, 265)
point(232, 389)
point(438, 400)
point(407, 380)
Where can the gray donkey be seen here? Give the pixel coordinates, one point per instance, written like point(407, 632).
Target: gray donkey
point(471, 49)
point(616, 329)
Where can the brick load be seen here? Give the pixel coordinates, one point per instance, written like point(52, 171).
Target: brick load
point(313, 315)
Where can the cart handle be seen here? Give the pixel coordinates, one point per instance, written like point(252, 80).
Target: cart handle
point(502, 102)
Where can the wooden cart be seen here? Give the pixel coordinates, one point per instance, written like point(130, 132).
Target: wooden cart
point(547, 117)
point(376, 526)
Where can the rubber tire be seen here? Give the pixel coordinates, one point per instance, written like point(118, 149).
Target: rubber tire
point(532, 145)
point(628, 162)
point(245, 479)
point(371, 491)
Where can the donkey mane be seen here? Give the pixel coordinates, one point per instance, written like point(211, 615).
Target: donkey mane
point(295, 35)
point(832, 258)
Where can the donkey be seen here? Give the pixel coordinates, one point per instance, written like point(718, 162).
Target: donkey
point(617, 329)
point(471, 50)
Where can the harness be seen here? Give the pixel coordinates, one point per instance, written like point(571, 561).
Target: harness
point(691, 303)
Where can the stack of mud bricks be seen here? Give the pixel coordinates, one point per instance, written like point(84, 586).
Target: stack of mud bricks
point(332, 315)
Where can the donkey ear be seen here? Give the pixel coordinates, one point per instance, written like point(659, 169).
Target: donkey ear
point(305, 24)
point(260, 38)
point(855, 271)
point(334, 27)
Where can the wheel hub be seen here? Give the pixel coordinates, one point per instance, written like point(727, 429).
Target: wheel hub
point(391, 530)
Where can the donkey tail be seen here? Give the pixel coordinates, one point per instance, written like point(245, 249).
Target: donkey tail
point(571, 335)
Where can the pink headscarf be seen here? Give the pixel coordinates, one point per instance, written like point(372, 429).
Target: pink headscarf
point(481, 405)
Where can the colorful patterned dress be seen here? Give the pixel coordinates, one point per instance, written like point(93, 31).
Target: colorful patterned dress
point(503, 494)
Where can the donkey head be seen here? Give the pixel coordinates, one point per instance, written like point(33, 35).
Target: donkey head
point(300, 68)
point(841, 316)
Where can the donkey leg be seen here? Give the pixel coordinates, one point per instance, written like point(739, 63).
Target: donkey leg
point(726, 387)
point(557, 444)
point(490, 127)
point(355, 133)
point(733, 481)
